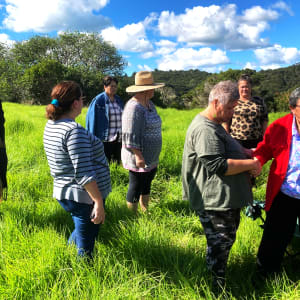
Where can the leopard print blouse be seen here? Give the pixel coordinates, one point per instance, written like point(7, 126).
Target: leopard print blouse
point(248, 119)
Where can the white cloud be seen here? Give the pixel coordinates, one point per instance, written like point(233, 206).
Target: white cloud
point(4, 38)
point(165, 47)
point(54, 15)
point(250, 65)
point(270, 67)
point(259, 14)
point(128, 38)
point(188, 58)
point(145, 68)
point(213, 69)
point(283, 6)
point(218, 25)
point(277, 55)
point(148, 54)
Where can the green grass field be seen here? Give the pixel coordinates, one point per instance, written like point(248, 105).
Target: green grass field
point(159, 255)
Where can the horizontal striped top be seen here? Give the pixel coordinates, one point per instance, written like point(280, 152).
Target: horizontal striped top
point(75, 157)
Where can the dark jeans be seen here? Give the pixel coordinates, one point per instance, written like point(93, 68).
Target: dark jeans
point(112, 151)
point(85, 232)
point(139, 184)
point(279, 228)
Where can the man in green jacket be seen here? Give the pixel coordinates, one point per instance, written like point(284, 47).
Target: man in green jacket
point(215, 176)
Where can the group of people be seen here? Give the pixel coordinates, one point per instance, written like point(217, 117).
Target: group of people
point(78, 158)
point(226, 145)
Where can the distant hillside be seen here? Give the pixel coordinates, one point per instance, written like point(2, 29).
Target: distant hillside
point(177, 84)
point(272, 85)
point(188, 89)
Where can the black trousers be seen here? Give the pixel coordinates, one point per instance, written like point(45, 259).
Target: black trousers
point(139, 184)
point(112, 151)
point(278, 231)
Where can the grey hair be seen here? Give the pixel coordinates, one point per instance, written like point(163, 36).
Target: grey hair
point(225, 91)
point(294, 96)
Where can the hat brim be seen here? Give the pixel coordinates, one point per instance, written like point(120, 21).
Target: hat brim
point(141, 88)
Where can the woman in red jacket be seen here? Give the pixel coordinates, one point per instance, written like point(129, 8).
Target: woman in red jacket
point(282, 144)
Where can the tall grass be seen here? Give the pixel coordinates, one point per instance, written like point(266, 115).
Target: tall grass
point(159, 255)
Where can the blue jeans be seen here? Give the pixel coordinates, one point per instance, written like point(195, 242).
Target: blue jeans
point(85, 232)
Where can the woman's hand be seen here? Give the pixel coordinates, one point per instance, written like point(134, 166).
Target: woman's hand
point(98, 213)
point(256, 167)
point(139, 161)
point(139, 158)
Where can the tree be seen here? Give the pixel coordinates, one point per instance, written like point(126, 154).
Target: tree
point(89, 51)
point(30, 52)
point(39, 80)
point(82, 57)
point(72, 49)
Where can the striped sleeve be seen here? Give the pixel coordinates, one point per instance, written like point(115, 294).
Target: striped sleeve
point(79, 148)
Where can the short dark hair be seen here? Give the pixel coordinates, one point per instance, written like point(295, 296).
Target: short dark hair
point(245, 77)
point(65, 92)
point(108, 79)
point(294, 97)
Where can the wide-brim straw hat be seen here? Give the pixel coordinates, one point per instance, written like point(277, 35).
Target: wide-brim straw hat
point(143, 81)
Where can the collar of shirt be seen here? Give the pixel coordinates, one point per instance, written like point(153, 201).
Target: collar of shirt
point(295, 131)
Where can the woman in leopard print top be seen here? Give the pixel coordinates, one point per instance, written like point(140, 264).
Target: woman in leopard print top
point(250, 118)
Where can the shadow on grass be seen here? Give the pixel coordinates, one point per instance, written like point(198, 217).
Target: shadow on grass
point(179, 207)
point(181, 266)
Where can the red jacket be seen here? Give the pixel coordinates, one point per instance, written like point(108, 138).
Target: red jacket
point(276, 144)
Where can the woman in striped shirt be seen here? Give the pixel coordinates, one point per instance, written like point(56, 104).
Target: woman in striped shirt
point(77, 164)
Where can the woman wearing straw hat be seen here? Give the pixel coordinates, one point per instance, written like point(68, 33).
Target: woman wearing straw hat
point(141, 139)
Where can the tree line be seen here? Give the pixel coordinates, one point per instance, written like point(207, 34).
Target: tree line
point(29, 69)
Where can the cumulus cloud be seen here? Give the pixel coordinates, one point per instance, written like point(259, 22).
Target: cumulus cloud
point(283, 6)
point(276, 55)
point(128, 38)
point(4, 38)
point(250, 65)
point(50, 15)
point(144, 68)
point(188, 58)
point(218, 25)
point(148, 54)
point(165, 47)
point(259, 14)
point(270, 67)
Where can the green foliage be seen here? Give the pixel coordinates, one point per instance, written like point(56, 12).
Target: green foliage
point(89, 52)
point(31, 68)
point(281, 100)
point(40, 78)
point(159, 255)
point(272, 85)
point(10, 80)
point(36, 49)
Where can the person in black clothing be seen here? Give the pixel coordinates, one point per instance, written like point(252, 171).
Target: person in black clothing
point(3, 156)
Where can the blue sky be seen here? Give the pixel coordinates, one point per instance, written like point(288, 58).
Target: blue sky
point(207, 35)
